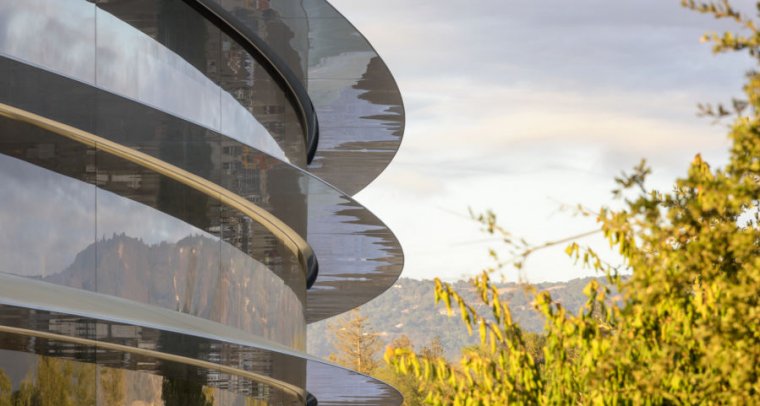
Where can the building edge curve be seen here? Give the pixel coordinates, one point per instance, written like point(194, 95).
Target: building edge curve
point(359, 135)
point(353, 186)
point(222, 18)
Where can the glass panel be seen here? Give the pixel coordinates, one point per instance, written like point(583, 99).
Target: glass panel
point(148, 256)
point(141, 235)
point(336, 49)
point(167, 55)
point(39, 206)
point(146, 252)
point(331, 386)
point(41, 380)
point(252, 86)
point(173, 68)
point(185, 145)
point(371, 108)
point(48, 94)
point(281, 24)
point(158, 244)
point(361, 254)
point(255, 299)
point(361, 114)
point(46, 195)
point(77, 377)
point(58, 35)
point(287, 368)
point(162, 53)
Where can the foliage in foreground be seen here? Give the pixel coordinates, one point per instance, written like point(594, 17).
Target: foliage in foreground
point(357, 345)
point(688, 328)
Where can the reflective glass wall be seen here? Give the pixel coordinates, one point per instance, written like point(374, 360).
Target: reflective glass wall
point(154, 212)
point(240, 368)
point(77, 216)
point(82, 376)
point(162, 53)
point(359, 106)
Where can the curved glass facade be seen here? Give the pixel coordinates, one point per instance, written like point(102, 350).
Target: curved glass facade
point(360, 110)
point(202, 258)
point(164, 238)
point(163, 54)
point(79, 378)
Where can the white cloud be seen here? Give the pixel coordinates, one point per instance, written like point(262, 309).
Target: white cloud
point(517, 106)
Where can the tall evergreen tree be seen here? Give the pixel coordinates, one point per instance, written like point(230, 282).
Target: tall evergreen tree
point(356, 344)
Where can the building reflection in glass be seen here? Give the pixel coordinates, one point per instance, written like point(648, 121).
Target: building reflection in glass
point(168, 58)
point(158, 259)
point(36, 380)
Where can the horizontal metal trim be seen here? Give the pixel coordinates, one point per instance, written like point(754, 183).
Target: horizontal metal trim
point(284, 386)
point(292, 240)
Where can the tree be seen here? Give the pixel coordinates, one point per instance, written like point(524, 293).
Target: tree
point(56, 381)
point(355, 343)
point(53, 383)
point(83, 389)
point(25, 395)
point(177, 391)
point(5, 389)
point(402, 341)
point(112, 389)
point(688, 328)
point(433, 350)
point(406, 385)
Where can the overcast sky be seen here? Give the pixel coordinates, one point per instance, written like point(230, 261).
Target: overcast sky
point(522, 106)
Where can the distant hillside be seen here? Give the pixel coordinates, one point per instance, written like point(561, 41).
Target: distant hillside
point(407, 308)
point(189, 275)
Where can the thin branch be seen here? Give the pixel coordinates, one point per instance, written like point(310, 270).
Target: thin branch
point(560, 241)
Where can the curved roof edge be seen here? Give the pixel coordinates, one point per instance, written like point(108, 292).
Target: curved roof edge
point(333, 385)
point(359, 110)
point(360, 140)
point(335, 293)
